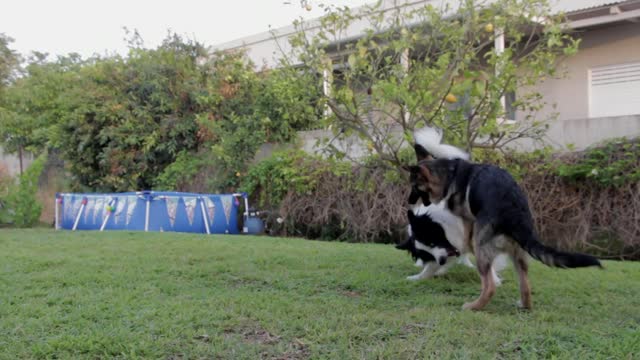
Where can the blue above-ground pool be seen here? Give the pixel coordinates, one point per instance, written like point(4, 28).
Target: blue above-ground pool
point(150, 211)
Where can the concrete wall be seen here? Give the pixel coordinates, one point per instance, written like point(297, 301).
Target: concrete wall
point(312, 142)
point(569, 96)
point(582, 133)
point(11, 162)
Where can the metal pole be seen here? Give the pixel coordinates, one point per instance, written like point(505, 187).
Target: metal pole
point(204, 215)
point(106, 219)
point(245, 229)
point(146, 217)
point(75, 224)
point(57, 221)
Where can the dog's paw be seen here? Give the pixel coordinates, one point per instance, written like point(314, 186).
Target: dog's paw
point(414, 277)
point(468, 306)
point(521, 306)
point(440, 272)
point(471, 306)
point(466, 262)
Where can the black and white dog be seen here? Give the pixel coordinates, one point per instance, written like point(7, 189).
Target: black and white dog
point(436, 236)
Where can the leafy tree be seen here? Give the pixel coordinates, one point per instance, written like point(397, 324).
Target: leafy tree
point(33, 104)
point(27, 103)
point(9, 61)
point(131, 116)
point(120, 122)
point(250, 108)
point(434, 66)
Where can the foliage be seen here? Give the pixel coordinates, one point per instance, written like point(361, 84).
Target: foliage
point(6, 186)
point(287, 171)
point(614, 164)
point(328, 199)
point(9, 61)
point(250, 109)
point(193, 296)
point(35, 103)
point(181, 174)
point(423, 65)
point(22, 206)
point(131, 116)
point(118, 122)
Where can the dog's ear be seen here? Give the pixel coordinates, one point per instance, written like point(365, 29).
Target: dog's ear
point(425, 199)
point(414, 169)
point(427, 174)
point(422, 153)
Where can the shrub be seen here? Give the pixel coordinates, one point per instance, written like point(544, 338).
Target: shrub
point(6, 183)
point(327, 198)
point(182, 174)
point(22, 206)
point(573, 208)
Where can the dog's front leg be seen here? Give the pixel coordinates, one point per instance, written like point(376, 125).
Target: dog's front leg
point(428, 271)
point(464, 260)
point(444, 268)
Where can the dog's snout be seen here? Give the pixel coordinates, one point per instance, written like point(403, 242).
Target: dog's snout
point(442, 260)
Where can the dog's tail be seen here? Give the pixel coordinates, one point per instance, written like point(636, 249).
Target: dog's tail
point(428, 141)
point(552, 257)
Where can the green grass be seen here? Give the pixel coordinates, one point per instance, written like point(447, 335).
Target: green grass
point(178, 296)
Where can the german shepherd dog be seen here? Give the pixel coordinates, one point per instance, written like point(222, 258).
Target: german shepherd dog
point(496, 218)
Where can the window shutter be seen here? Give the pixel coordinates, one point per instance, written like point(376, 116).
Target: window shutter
point(614, 90)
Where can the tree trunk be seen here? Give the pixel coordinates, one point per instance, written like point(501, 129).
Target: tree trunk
point(20, 158)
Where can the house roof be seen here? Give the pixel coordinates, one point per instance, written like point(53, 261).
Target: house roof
point(569, 6)
point(581, 14)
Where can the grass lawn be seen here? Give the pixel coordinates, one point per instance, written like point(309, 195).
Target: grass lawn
point(186, 296)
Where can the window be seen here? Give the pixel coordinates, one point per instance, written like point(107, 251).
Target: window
point(614, 90)
point(510, 109)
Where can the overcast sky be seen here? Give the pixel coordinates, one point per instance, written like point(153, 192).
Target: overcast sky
point(86, 27)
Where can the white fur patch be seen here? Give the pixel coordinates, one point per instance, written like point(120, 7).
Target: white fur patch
point(437, 252)
point(427, 272)
point(451, 224)
point(430, 138)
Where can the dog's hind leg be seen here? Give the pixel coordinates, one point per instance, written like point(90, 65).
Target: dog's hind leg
point(484, 258)
point(522, 268)
point(488, 289)
point(496, 278)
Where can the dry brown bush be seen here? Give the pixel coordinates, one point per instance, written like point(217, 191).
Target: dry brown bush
point(343, 209)
point(583, 217)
